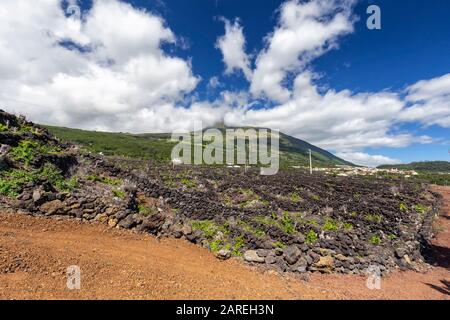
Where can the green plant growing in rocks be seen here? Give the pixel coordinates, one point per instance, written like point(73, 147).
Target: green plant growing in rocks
point(106, 180)
point(312, 222)
point(215, 245)
point(287, 223)
point(269, 221)
point(55, 177)
point(3, 127)
point(118, 193)
point(330, 225)
point(374, 218)
point(294, 197)
point(392, 236)
point(279, 244)
point(403, 207)
point(209, 228)
point(353, 214)
point(421, 209)
point(315, 197)
point(348, 226)
point(11, 182)
point(25, 151)
point(146, 211)
point(189, 183)
point(239, 243)
point(311, 237)
point(250, 229)
point(375, 240)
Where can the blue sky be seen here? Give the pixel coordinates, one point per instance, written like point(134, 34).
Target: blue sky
point(370, 96)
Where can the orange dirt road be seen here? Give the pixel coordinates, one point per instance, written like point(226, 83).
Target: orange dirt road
point(119, 264)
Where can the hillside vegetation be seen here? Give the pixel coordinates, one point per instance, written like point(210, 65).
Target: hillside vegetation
point(430, 166)
point(158, 147)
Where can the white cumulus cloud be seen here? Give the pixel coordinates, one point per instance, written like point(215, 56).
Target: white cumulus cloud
point(305, 30)
point(232, 46)
point(365, 159)
point(431, 102)
point(104, 71)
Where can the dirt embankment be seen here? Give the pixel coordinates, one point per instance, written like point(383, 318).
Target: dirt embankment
point(118, 264)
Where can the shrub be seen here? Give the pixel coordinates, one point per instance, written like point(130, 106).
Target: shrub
point(375, 240)
point(239, 243)
point(25, 151)
point(55, 177)
point(392, 236)
point(106, 180)
point(209, 228)
point(145, 210)
point(215, 245)
point(403, 207)
point(118, 193)
point(374, 218)
point(12, 182)
point(279, 244)
point(3, 127)
point(348, 226)
point(330, 225)
point(294, 197)
point(288, 225)
point(311, 237)
point(420, 208)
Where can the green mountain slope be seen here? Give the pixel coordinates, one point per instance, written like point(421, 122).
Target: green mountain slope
point(430, 166)
point(158, 147)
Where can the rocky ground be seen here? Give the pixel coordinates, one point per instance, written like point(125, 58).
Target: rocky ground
point(290, 222)
point(122, 264)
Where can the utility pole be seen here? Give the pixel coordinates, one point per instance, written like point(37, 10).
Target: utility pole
point(310, 162)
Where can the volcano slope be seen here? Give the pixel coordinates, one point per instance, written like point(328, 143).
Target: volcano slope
point(290, 222)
